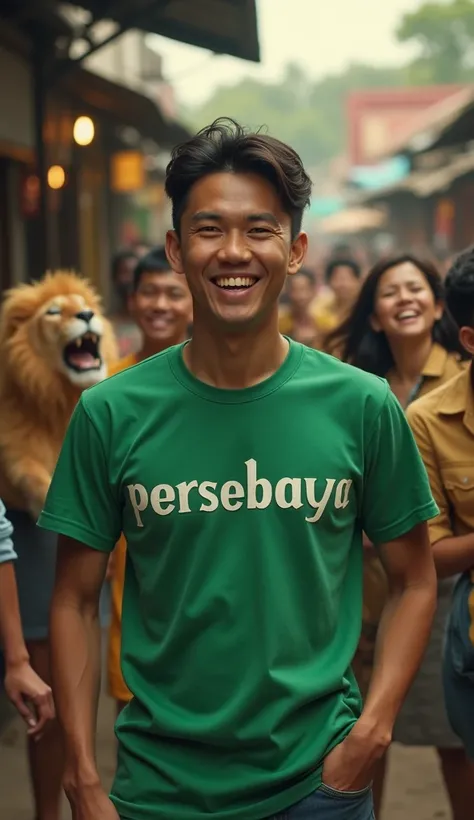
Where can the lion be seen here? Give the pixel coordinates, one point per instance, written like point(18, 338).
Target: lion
point(54, 343)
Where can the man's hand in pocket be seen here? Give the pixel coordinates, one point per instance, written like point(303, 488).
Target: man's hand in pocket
point(350, 765)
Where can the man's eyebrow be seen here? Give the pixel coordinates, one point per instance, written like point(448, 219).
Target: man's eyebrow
point(213, 216)
point(200, 216)
point(266, 216)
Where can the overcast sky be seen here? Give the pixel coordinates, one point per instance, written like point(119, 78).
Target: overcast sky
point(323, 37)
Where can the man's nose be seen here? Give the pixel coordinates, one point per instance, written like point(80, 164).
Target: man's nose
point(85, 315)
point(161, 302)
point(234, 249)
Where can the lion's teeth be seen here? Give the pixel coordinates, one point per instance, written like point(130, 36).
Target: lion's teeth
point(78, 342)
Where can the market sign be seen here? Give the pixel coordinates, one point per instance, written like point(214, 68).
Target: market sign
point(127, 172)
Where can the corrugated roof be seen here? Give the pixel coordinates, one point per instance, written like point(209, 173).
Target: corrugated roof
point(124, 105)
point(423, 132)
point(222, 26)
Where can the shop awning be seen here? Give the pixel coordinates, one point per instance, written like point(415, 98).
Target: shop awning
point(352, 221)
point(124, 105)
point(424, 183)
point(222, 26)
point(458, 130)
point(446, 123)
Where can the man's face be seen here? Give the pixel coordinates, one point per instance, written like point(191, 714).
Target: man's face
point(162, 307)
point(235, 248)
point(344, 283)
point(300, 292)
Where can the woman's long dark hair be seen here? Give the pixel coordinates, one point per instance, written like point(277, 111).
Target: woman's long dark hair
point(356, 342)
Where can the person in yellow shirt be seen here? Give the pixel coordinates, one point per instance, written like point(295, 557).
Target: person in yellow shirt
point(309, 316)
point(343, 278)
point(297, 317)
point(443, 425)
point(399, 329)
point(161, 306)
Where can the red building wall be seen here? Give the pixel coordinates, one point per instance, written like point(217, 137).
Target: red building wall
point(377, 118)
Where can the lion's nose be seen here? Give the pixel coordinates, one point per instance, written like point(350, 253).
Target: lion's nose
point(85, 315)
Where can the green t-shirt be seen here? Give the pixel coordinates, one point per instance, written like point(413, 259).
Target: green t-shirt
point(243, 512)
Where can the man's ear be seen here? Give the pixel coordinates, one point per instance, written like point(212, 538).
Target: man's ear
point(466, 337)
point(299, 249)
point(173, 252)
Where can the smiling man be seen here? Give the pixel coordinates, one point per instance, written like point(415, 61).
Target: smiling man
point(160, 304)
point(242, 469)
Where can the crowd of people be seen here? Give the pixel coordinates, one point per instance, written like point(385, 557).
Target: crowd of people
point(397, 326)
point(270, 634)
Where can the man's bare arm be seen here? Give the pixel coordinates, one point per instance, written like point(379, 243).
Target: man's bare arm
point(405, 626)
point(75, 650)
point(402, 638)
point(11, 635)
point(31, 696)
point(453, 555)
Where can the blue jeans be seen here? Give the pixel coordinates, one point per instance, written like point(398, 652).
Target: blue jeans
point(458, 665)
point(329, 804)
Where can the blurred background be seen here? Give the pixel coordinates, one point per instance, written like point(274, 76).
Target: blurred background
point(377, 97)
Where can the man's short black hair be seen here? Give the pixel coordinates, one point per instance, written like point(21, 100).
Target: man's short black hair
point(341, 250)
point(155, 261)
point(227, 146)
point(334, 264)
point(459, 289)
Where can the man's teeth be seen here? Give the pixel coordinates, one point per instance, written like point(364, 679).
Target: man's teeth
point(235, 282)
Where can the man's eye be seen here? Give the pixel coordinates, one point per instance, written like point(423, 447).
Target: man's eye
point(208, 229)
point(260, 230)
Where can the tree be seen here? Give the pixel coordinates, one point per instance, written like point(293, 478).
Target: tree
point(279, 107)
point(311, 115)
point(445, 36)
point(308, 115)
point(330, 95)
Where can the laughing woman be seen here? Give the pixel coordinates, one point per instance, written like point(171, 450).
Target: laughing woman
point(400, 330)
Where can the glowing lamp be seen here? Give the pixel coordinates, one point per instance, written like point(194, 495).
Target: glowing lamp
point(83, 131)
point(56, 177)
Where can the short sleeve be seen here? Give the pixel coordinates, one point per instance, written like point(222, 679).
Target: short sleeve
point(396, 491)
point(81, 502)
point(441, 526)
point(7, 551)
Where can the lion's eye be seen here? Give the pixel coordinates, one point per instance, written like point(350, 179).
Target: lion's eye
point(54, 310)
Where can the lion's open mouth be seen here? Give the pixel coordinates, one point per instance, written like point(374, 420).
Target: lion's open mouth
point(83, 353)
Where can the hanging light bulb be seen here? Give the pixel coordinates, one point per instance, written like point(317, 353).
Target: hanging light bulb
point(83, 131)
point(56, 177)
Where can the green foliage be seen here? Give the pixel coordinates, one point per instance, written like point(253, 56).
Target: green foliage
point(311, 115)
point(444, 34)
